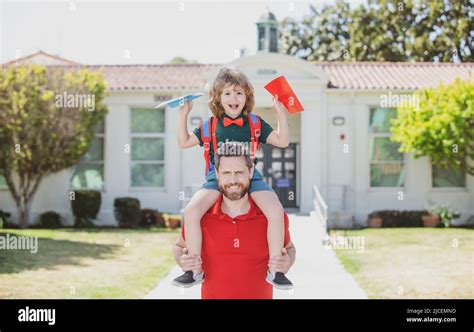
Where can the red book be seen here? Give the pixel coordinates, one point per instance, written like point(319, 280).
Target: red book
point(282, 89)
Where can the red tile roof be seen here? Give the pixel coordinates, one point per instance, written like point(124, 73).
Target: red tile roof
point(41, 57)
point(342, 75)
point(154, 77)
point(393, 75)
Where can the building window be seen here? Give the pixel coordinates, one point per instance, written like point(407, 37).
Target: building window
point(89, 172)
point(3, 182)
point(450, 176)
point(261, 38)
point(273, 40)
point(148, 147)
point(386, 163)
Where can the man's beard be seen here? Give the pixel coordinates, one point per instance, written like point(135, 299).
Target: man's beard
point(234, 194)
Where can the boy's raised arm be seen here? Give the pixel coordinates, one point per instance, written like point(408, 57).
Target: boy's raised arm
point(185, 139)
point(280, 137)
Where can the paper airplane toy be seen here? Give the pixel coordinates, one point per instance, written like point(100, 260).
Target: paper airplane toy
point(280, 87)
point(180, 101)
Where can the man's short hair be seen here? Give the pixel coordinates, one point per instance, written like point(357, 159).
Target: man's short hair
point(233, 149)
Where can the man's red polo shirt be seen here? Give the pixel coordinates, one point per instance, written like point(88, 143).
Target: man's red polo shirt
point(235, 254)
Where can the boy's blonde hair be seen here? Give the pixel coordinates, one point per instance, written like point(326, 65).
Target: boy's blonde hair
point(234, 77)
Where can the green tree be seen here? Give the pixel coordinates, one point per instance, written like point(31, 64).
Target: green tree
point(46, 124)
point(179, 60)
point(442, 127)
point(384, 30)
point(323, 35)
point(379, 31)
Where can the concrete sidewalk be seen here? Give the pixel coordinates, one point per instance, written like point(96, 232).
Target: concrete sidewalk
point(316, 274)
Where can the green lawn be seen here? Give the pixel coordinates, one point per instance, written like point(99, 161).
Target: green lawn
point(419, 263)
point(87, 263)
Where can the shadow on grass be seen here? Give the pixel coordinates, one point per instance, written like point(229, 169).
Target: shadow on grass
point(52, 253)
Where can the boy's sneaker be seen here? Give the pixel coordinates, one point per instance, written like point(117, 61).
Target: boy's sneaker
point(188, 279)
point(279, 280)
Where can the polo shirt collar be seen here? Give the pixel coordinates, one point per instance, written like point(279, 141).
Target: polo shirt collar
point(217, 209)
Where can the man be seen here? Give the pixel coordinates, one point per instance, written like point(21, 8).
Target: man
point(235, 255)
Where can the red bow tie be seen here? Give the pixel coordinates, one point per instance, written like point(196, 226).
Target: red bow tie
point(239, 122)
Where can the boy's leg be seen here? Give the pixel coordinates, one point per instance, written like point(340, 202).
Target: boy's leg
point(201, 201)
point(270, 205)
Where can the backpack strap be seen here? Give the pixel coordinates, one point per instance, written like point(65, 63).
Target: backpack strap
point(208, 137)
point(214, 141)
point(214, 134)
point(255, 131)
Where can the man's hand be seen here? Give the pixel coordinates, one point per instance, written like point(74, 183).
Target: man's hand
point(280, 263)
point(190, 262)
point(186, 108)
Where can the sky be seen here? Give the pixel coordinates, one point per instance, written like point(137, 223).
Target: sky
point(131, 32)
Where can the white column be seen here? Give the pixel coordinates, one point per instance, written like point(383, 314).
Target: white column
point(312, 142)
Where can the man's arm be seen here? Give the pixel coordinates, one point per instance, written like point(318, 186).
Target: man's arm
point(178, 249)
point(185, 261)
point(285, 261)
point(291, 252)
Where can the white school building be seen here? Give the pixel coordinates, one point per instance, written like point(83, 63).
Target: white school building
point(340, 144)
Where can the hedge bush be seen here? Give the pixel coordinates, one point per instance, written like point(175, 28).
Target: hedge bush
point(397, 218)
point(49, 219)
point(127, 211)
point(151, 217)
point(85, 207)
point(4, 219)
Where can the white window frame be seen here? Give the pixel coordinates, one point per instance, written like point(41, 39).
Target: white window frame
point(71, 173)
point(151, 162)
point(4, 187)
point(447, 189)
point(372, 137)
